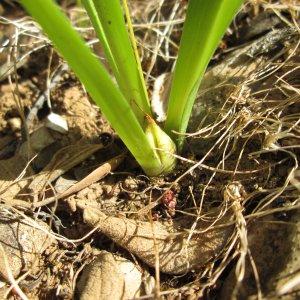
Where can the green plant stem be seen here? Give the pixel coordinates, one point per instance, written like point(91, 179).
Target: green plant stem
point(135, 49)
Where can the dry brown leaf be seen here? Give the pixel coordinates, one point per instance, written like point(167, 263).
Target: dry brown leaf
point(110, 277)
point(177, 253)
point(22, 244)
point(17, 166)
point(64, 159)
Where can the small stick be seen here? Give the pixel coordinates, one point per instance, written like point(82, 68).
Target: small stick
point(93, 177)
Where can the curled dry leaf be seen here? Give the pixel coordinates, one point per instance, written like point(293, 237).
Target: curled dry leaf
point(17, 166)
point(160, 94)
point(110, 277)
point(63, 160)
point(179, 251)
point(22, 245)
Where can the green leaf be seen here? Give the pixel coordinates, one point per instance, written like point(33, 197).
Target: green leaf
point(108, 21)
point(96, 80)
point(205, 24)
point(93, 15)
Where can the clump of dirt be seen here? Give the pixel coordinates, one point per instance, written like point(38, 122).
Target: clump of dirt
point(216, 220)
point(8, 105)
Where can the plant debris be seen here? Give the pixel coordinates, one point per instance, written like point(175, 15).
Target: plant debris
point(125, 280)
point(178, 252)
point(22, 244)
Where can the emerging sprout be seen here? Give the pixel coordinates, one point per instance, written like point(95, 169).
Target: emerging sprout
point(164, 147)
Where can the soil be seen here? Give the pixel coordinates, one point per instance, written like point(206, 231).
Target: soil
point(226, 220)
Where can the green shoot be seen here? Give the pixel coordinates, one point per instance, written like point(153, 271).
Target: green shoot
point(126, 106)
point(97, 82)
point(206, 23)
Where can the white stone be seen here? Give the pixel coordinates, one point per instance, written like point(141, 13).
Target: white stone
point(56, 123)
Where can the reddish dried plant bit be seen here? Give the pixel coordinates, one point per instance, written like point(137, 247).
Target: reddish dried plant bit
point(172, 204)
point(169, 201)
point(155, 217)
point(168, 197)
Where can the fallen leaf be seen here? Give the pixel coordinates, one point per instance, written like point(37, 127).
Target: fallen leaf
point(110, 276)
point(22, 244)
point(178, 253)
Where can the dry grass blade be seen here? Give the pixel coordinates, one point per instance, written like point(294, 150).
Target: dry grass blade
point(233, 194)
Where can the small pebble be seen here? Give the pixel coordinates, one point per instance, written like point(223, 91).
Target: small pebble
point(15, 124)
point(56, 123)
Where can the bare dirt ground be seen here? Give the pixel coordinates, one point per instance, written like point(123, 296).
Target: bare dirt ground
point(79, 219)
